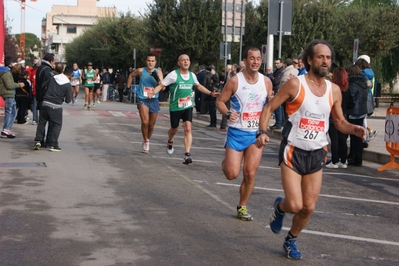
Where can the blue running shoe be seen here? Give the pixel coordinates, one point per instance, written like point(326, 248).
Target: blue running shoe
point(291, 249)
point(276, 218)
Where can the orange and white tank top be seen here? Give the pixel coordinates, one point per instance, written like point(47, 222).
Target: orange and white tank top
point(249, 100)
point(308, 117)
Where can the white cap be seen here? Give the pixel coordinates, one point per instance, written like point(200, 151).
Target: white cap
point(21, 62)
point(365, 57)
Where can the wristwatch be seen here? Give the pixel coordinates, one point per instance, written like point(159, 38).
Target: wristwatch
point(228, 115)
point(260, 132)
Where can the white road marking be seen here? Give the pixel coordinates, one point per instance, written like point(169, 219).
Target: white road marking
point(117, 114)
point(363, 176)
point(356, 238)
point(321, 195)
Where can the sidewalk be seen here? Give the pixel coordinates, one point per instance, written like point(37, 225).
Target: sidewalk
point(376, 152)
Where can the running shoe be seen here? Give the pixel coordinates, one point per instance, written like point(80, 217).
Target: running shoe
point(146, 146)
point(187, 159)
point(332, 165)
point(342, 165)
point(88, 108)
point(94, 104)
point(34, 123)
point(55, 149)
point(372, 134)
point(276, 218)
point(98, 101)
point(169, 148)
point(37, 146)
point(85, 107)
point(291, 249)
point(242, 213)
point(76, 99)
point(7, 134)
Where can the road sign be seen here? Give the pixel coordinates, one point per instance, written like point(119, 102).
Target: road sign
point(264, 53)
point(156, 50)
point(222, 46)
point(274, 17)
point(355, 49)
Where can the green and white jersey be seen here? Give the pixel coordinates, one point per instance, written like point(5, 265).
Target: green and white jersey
point(89, 75)
point(181, 90)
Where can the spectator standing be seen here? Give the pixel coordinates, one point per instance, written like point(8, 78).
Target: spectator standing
point(7, 91)
point(276, 81)
point(213, 86)
point(59, 90)
point(105, 81)
point(32, 78)
point(302, 70)
point(363, 62)
point(269, 72)
point(206, 83)
point(358, 92)
point(200, 77)
point(338, 145)
point(43, 74)
point(231, 72)
point(120, 84)
point(22, 96)
point(289, 72)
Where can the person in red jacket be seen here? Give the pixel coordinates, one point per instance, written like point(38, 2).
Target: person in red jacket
point(32, 78)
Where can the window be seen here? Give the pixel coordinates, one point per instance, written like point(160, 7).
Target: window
point(71, 29)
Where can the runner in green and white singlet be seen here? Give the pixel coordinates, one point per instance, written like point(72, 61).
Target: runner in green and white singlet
point(182, 83)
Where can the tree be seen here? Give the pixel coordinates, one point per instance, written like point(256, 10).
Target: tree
point(10, 44)
point(110, 43)
point(191, 27)
point(32, 44)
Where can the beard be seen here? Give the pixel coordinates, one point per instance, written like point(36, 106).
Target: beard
point(318, 71)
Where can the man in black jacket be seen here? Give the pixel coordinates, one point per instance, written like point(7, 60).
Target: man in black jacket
point(276, 81)
point(43, 73)
point(59, 90)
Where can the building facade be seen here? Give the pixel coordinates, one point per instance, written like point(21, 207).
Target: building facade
point(65, 23)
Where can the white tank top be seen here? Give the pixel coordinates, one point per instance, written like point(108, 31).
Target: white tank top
point(308, 117)
point(249, 100)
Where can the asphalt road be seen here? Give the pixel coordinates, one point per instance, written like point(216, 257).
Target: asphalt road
point(100, 201)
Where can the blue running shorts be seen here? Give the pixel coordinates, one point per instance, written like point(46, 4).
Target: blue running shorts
point(152, 104)
point(239, 140)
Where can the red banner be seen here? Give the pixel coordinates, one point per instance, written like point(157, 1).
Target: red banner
point(2, 33)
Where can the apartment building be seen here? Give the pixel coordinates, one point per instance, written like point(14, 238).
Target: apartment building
point(64, 23)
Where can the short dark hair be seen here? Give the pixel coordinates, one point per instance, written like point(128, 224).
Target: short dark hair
point(151, 54)
point(68, 70)
point(245, 55)
point(353, 70)
point(49, 57)
point(59, 67)
point(309, 51)
point(8, 60)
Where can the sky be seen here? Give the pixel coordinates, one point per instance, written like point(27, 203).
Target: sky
point(36, 11)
